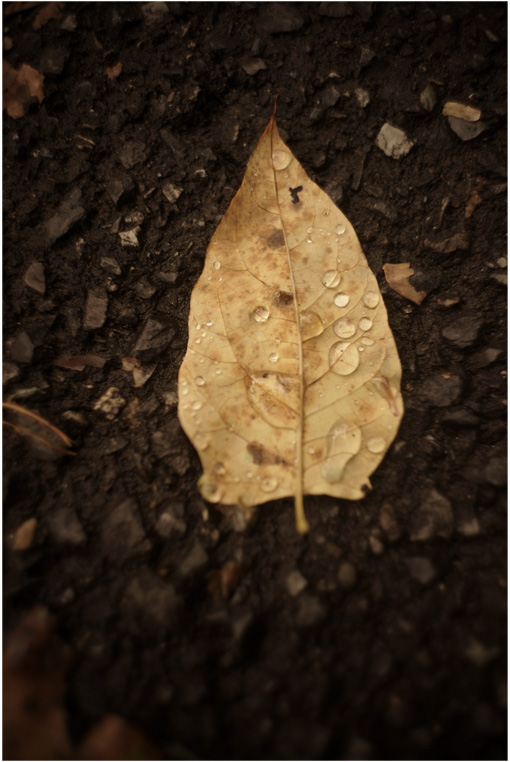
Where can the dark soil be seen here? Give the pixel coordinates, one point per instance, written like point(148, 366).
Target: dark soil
point(395, 649)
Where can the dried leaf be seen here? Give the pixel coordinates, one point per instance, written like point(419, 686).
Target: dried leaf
point(398, 276)
point(19, 86)
point(291, 380)
point(79, 362)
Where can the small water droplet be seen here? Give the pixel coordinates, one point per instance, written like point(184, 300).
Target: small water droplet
point(361, 349)
point(309, 230)
point(340, 229)
point(202, 442)
point(185, 391)
point(331, 278)
point(311, 450)
point(219, 469)
point(204, 335)
point(219, 280)
point(366, 341)
point(370, 299)
point(286, 175)
point(268, 484)
point(249, 474)
point(309, 239)
point(196, 405)
point(254, 173)
point(281, 159)
point(310, 325)
point(365, 324)
point(273, 357)
point(218, 371)
point(202, 360)
point(260, 314)
point(197, 341)
point(376, 444)
point(198, 327)
point(208, 324)
point(217, 265)
point(341, 299)
point(344, 328)
point(325, 212)
point(343, 358)
point(199, 381)
point(211, 492)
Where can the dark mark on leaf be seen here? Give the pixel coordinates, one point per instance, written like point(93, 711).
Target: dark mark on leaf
point(294, 193)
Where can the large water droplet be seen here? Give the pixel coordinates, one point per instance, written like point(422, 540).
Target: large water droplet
point(273, 357)
point(310, 325)
point(343, 358)
point(281, 159)
point(376, 444)
point(344, 328)
point(202, 442)
point(365, 324)
point(199, 381)
point(370, 299)
point(211, 492)
point(341, 299)
point(340, 229)
point(260, 314)
point(268, 484)
point(217, 265)
point(331, 278)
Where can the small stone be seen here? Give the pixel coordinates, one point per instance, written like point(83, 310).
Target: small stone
point(330, 96)
point(393, 141)
point(464, 330)
point(110, 265)
point(457, 242)
point(22, 348)
point(170, 398)
point(110, 403)
point(133, 152)
point(252, 65)
point(145, 289)
point(34, 278)
point(115, 444)
point(347, 575)
point(486, 357)
point(362, 97)
point(195, 560)
point(466, 130)
point(95, 309)
point(153, 340)
point(495, 472)
point(66, 527)
point(168, 525)
point(275, 18)
point(441, 390)
point(461, 111)
point(121, 190)
point(310, 612)
point(467, 522)
point(428, 98)
point(295, 583)
point(480, 655)
point(376, 545)
point(171, 192)
point(67, 215)
point(69, 23)
point(421, 569)
point(366, 56)
point(122, 533)
point(129, 238)
point(9, 372)
point(434, 518)
point(23, 537)
point(155, 13)
point(501, 278)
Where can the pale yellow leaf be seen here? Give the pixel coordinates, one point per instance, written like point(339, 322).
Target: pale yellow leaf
point(291, 380)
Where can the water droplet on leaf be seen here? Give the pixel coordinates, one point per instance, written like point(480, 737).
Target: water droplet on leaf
point(199, 381)
point(341, 299)
point(331, 278)
point(376, 444)
point(268, 484)
point(365, 324)
point(343, 358)
point(340, 229)
point(281, 159)
point(260, 314)
point(273, 357)
point(344, 328)
point(217, 265)
point(370, 299)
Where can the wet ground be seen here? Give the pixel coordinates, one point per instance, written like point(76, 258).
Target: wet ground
point(382, 633)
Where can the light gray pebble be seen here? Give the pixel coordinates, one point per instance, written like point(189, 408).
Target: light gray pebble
point(496, 472)
point(65, 527)
point(393, 141)
point(466, 130)
point(428, 98)
point(464, 330)
point(168, 525)
point(362, 97)
point(252, 65)
point(441, 390)
point(95, 309)
point(67, 215)
point(111, 265)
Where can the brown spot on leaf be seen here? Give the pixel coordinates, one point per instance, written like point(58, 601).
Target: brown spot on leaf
point(264, 457)
point(276, 240)
point(283, 298)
